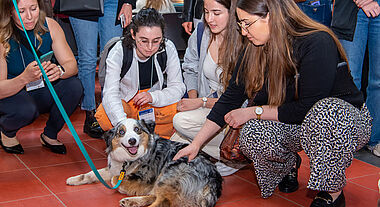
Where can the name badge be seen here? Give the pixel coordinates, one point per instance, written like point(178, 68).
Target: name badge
point(147, 114)
point(35, 85)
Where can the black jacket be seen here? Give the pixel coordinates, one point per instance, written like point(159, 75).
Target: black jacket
point(192, 9)
point(321, 75)
point(88, 16)
point(343, 21)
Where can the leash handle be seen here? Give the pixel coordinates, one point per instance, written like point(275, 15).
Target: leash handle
point(62, 110)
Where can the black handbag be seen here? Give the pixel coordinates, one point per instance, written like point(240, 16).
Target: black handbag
point(81, 8)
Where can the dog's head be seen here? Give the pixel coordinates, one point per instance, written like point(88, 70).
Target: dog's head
point(130, 139)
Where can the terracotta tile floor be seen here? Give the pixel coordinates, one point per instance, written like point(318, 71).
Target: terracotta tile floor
point(37, 178)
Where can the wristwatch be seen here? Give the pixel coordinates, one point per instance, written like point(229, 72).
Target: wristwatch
point(258, 111)
point(61, 70)
point(204, 99)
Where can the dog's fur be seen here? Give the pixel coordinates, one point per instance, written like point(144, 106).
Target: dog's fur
point(151, 174)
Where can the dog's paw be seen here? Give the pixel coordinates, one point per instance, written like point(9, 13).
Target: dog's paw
point(76, 180)
point(127, 202)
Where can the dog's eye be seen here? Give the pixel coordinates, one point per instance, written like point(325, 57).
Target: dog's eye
point(137, 130)
point(121, 132)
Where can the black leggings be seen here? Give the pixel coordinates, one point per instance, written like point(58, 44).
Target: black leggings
point(24, 107)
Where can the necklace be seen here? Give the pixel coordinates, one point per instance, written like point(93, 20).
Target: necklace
point(22, 54)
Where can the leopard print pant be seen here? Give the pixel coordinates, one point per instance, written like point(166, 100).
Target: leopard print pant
point(330, 134)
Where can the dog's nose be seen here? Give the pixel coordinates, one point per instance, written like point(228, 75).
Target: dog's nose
point(132, 141)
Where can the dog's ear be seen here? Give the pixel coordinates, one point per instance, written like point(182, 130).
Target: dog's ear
point(149, 125)
point(110, 134)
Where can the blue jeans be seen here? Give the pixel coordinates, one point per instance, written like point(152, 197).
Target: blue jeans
point(320, 12)
point(367, 30)
point(86, 35)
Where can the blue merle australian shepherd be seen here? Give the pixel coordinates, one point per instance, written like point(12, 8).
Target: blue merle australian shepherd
point(152, 177)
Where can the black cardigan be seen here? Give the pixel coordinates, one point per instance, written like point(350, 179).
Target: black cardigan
point(317, 58)
point(95, 18)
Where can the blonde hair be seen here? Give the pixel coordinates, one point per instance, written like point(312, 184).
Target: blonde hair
point(155, 4)
point(8, 27)
point(274, 60)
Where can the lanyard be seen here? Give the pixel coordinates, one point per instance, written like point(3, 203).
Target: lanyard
point(64, 114)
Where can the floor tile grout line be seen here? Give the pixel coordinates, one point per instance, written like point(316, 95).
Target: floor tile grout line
point(54, 165)
point(241, 178)
point(285, 198)
point(41, 182)
point(231, 202)
point(102, 153)
point(22, 199)
point(66, 163)
point(362, 176)
point(363, 186)
point(372, 165)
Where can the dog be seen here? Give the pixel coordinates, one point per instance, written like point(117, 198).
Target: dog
point(152, 176)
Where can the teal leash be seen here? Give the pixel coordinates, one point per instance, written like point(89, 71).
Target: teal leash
point(64, 114)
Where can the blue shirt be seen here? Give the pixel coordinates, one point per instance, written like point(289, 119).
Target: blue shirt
point(19, 56)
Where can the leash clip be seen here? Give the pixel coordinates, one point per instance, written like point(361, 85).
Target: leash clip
point(122, 171)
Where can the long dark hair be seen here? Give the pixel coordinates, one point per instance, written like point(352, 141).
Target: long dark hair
point(274, 61)
point(147, 17)
point(232, 43)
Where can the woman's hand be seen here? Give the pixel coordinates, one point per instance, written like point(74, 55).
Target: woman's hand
point(371, 9)
point(126, 9)
point(32, 72)
point(142, 98)
point(188, 26)
point(361, 3)
point(238, 117)
point(187, 104)
point(191, 151)
point(52, 71)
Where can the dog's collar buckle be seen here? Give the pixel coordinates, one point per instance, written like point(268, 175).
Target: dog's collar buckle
point(122, 172)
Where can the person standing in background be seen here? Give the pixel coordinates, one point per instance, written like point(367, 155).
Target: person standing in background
point(86, 31)
point(192, 13)
point(162, 6)
point(365, 15)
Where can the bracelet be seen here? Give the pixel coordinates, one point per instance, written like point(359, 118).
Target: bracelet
point(61, 71)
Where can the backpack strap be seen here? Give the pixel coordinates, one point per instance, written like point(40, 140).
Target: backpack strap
point(162, 59)
point(127, 61)
point(200, 29)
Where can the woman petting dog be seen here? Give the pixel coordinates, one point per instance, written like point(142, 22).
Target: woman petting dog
point(206, 74)
point(305, 100)
point(141, 92)
point(23, 94)
point(151, 175)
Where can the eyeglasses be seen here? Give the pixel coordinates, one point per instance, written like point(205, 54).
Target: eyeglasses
point(244, 26)
point(145, 43)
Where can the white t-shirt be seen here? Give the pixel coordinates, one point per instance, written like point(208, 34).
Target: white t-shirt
point(212, 72)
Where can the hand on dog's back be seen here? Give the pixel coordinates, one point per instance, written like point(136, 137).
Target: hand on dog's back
point(191, 151)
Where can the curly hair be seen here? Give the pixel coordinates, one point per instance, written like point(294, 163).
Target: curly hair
point(8, 26)
point(147, 17)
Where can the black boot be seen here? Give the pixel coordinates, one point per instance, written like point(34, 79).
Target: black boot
point(289, 183)
point(91, 126)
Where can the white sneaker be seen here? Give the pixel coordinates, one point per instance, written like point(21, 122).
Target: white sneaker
point(225, 170)
point(374, 149)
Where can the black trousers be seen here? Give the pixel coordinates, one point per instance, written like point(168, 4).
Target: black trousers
point(24, 107)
